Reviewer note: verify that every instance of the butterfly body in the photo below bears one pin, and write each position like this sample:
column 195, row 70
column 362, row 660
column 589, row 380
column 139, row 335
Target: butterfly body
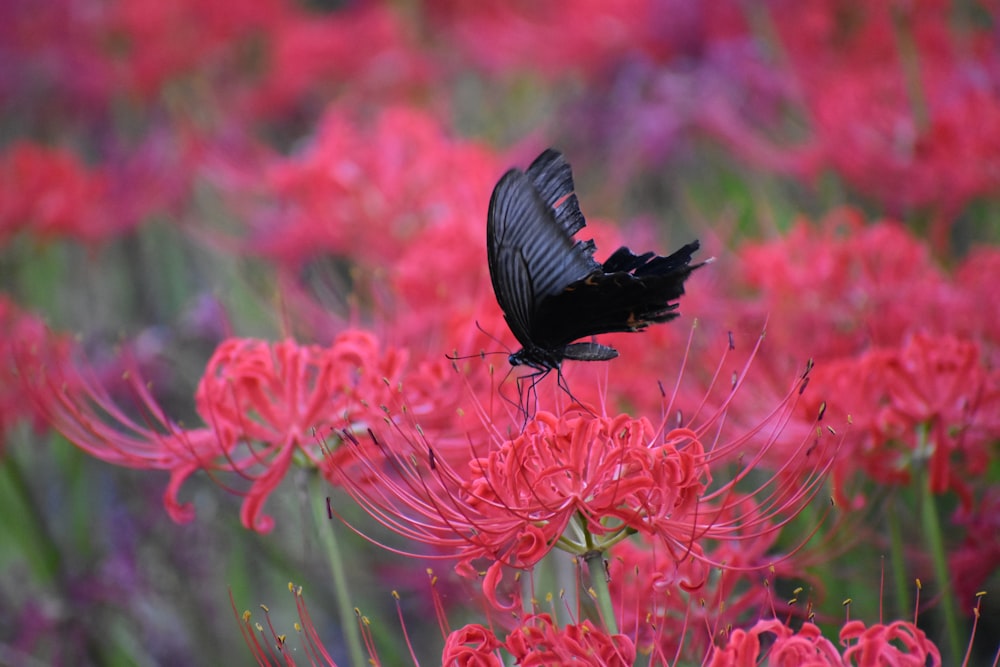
column 548, row 284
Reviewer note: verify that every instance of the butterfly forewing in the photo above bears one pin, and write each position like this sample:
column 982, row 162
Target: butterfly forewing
column 552, row 178
column 531, row 257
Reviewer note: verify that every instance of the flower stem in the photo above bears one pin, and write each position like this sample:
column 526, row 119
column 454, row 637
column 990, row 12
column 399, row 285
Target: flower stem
column 897, row 559
column 935, row 544
column 599, row 585
column 345, row 608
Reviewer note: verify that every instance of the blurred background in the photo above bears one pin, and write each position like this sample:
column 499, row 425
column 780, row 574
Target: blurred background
column 174, row 174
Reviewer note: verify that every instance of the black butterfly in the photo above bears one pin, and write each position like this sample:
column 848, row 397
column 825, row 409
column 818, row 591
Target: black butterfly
column 549, row 286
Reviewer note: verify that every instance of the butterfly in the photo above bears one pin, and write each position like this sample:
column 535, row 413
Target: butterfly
column 549, row 286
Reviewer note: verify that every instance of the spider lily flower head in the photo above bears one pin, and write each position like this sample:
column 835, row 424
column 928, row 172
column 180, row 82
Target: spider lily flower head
column 678, row 607
column 929, row 402
column 580, row 482
column 265, row 406
column 893, row 643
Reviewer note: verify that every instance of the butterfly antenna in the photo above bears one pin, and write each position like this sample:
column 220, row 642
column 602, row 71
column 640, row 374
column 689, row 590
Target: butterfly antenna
column 482, row 353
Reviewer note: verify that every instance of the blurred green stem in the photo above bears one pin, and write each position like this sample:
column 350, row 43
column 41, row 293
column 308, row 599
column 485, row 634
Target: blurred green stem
column 324, row 528
column 45, row 557
column 935, row 544
column 897, row 557
column 909, row 59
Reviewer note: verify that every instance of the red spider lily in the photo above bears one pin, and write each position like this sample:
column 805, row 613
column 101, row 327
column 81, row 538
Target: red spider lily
column 311, row 57
column 157, row 44
column 890, row 94
column 49, row 192
column 128, row 50
column 364, row 189
column 928, row 403
column 281, row 398
column 833, row 289
column 976, row 279
column 17, row 328
column 73, row 400
column 807, row 648
column 540, row 641
column 380, row 200
column 472, row 645
column 899, row 643
column 939, row 384
column 880, row 318
column 264, row 404
column 578, row 482
column 550, row 39
column 654, row 594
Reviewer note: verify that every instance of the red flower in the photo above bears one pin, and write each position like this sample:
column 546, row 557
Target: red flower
column 930, row 403
column 899, row 643
column 613, row 473
column 50, row 193
column 264, row 404
column 805, row 648
column 902, row 102
column 976, row 280
column 653, row 590
column 20, row 329
column 364, row 188
column 974, row 561
column 311, row 57
column 150, row 44
column 539, row 641
column 581, row 483
column 832, row 289
column 472, row 645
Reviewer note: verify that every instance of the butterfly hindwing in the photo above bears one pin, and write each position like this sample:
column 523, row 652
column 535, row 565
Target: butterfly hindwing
column 627, row 300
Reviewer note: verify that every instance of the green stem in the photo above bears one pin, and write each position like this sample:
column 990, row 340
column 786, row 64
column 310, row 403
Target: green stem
column 599, row 585
column 935, row 544
column 36, row 537
column 909, row 59
column 345, row 609
column 897, row 560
